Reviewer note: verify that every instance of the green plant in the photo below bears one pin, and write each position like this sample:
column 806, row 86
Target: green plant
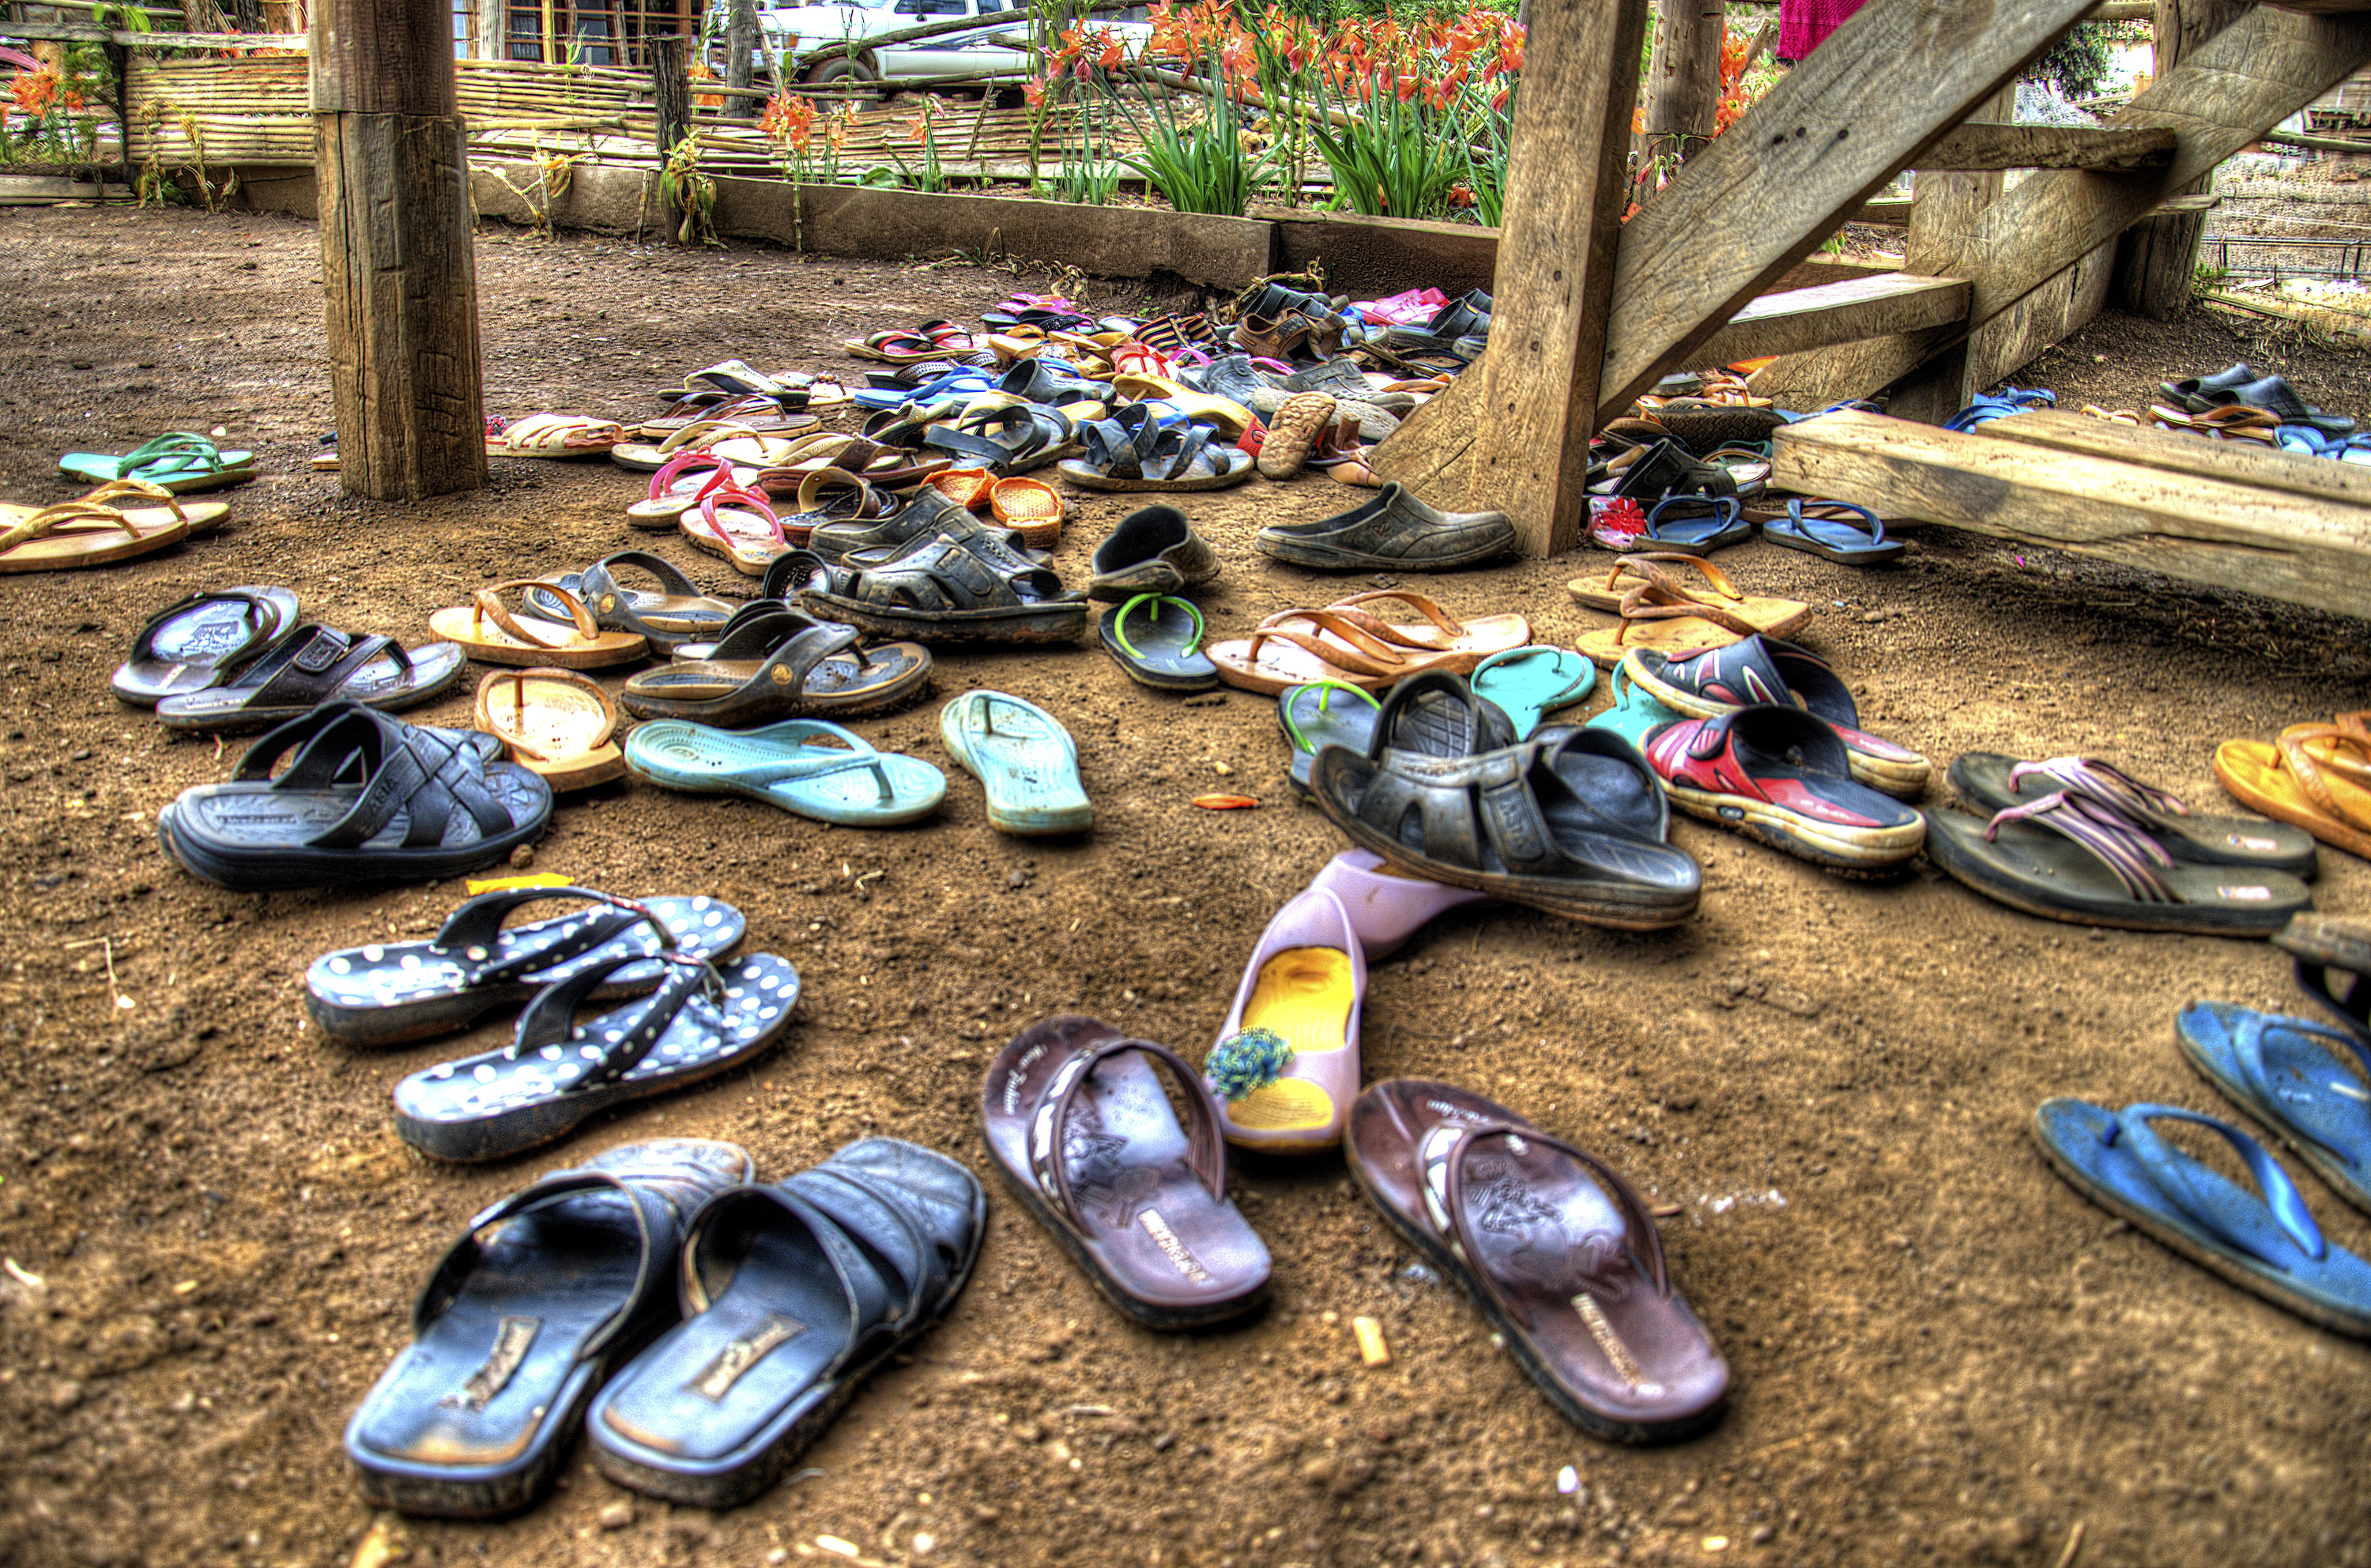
column 688, row 195
column 2077, row 64
column 923, row 129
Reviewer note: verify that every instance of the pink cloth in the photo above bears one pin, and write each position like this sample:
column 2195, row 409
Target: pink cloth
column 1804, row 24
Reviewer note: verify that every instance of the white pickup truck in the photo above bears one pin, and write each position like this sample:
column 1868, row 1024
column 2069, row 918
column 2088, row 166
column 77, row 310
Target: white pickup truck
column 797, row 29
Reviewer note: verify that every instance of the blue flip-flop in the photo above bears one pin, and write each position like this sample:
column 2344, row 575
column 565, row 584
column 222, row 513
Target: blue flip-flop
column 1157, row 645
column 962, row 381
column 2268, row 1244
column 2309, row 1083
column 1634, row 714
column 1697, row 524
column 1023, row 758
column 1530, row 682
column 1840, row 531
column 842, row 780
column 1322, row 714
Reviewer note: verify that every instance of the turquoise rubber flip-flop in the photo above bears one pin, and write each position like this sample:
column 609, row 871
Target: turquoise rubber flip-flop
column 842, row 780
column 1165, row 653
column 1322, row 714
column 2309, row 1083
column 180, row 462
column 1634, row 713
column 1530, row 682
column 2268, row 1244
column 1025, row 760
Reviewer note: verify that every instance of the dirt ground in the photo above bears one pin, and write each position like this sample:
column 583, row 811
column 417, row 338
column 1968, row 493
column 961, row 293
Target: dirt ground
column 1942, row 1354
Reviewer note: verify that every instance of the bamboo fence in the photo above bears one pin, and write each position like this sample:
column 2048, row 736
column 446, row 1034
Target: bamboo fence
column 256, row 110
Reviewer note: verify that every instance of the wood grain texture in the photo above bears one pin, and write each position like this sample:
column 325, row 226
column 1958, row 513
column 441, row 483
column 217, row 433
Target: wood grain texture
column 670, row 92
column 401, row 293
column 1949, row 204
column 1513, row 432
column 1683, row 77
column 1866, row 103
column 2282, row 545
column 382, row 57
column 2157, row 257
column 1841, row 312
column 2239, row 84
column 1989, row 144
column 2242, row 462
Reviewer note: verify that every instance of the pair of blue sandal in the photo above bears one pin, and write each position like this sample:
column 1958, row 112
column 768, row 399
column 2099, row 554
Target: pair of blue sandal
column 2307, row 1082
column 1999, row 406
column 1833, row 530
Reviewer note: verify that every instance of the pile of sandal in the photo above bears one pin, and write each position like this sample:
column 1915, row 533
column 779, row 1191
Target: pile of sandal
column 2235, row 404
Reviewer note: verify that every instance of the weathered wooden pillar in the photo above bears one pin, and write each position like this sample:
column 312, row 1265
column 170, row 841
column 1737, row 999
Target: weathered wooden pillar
column 493, row 24
column 1520, row 442
column 1683, row 81
column 670, row 90
column 2157, row 257
column 1946, row 206
column 396, row 266
column 740, row 66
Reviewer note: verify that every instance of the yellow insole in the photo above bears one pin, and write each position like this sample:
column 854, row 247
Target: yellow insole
column 1303, row 994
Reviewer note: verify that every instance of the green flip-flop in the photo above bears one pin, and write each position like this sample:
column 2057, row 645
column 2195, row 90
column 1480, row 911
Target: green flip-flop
column 1634, row 713
column 179, row 461
column 842, row 780
column 1165, row 653
column 1530, row 682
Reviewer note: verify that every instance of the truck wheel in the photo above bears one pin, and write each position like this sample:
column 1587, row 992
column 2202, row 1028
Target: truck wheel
column 843, row 70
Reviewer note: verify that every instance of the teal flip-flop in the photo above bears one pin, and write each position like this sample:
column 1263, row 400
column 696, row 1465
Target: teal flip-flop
column 1322, row 714
column 844, row 779
column 2268, row 1244
column 1634, row 713
column 1025, row 760
column 2309, row 1083
column 1530, row 682
column 1164, row 653
column 180, row 462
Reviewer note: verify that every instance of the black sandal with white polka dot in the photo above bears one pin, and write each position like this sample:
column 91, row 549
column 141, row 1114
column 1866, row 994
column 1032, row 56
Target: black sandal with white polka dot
column 388, row 993
column 557, row 1071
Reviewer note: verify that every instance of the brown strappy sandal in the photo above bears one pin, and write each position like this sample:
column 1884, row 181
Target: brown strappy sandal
column 555, row 724
column 1661, row 609
column 577, row 644
column 1558, row 1252
column 1082, row 1127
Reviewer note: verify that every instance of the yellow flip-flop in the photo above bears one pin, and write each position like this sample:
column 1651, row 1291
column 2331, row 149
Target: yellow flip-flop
column 2315, row 777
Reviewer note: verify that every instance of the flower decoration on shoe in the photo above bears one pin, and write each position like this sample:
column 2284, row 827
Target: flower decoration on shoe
column 1240, row 1065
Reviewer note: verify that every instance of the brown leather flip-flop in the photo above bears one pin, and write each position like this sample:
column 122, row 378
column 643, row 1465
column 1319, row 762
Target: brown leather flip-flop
column 1556, row 1249
column 1084, row 1130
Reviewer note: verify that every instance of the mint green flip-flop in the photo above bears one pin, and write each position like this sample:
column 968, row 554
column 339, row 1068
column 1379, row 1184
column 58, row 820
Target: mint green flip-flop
column 1023, row 758
column 844, row 779
column 180, row 462
column 1528, row 682
column 1634, row 713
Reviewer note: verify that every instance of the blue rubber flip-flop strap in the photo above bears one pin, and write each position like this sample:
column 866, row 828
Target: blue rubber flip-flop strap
column 1858, row 537
column 1694, row 528
column 2168, row 1170
column 2248, row 1050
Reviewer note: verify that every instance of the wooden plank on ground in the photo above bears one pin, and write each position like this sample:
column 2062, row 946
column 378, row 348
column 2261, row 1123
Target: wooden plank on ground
column 1513, row 432
column 1989, row 144
column 1841, row 312
column 1883, row 88
column 2275, row 543
column 2243, row 462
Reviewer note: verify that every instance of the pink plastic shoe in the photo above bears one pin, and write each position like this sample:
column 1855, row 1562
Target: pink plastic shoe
column 1286, row 1067
column 1385, row 910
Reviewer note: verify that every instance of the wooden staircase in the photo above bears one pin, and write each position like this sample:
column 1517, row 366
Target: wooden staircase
column 1592, row 311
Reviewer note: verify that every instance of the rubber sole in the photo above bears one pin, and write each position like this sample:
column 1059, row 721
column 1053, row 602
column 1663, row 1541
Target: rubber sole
column 231, row 723
column 1517, row 1343
column 738, row 710
column 2011, row 897
column 286, row 872
column 1293, row 552
column 1863, row 850
column 2205, row 1258
column 1903, row 781
column 495, row 1498
column 730, row 1489
column 1027, row 623
column 2333, row 1173
column 1150, row 1315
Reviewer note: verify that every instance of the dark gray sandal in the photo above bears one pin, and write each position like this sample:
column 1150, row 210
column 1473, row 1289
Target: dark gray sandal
column 1392, row 531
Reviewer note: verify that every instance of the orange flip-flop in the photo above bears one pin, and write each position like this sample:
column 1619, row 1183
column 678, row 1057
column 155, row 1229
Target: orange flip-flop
column 2315, row 777
column 1032, row 508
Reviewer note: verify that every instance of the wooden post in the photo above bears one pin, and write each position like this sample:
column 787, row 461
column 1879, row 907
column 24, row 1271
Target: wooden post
column 2157, row 257
column 1683, row 82
column 1521, row 441
column 401, row 290
column 493, row 23
column 1946, row 206
column 670, row 90
column 740, row 48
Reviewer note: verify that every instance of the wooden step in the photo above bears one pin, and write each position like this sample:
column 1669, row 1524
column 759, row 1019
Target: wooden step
column 2246, row 461
column 1893, row 212
column 1987, row 144
column 1843, row 312
column 2283, row 545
